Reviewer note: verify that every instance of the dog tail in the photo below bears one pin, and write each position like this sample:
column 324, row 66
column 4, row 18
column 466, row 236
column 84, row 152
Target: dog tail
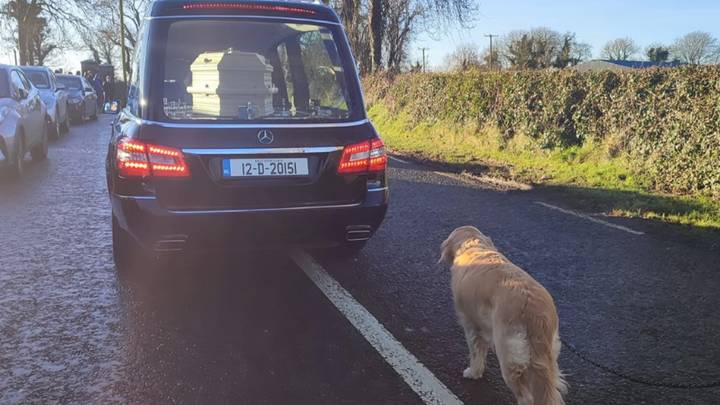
column 547, row 382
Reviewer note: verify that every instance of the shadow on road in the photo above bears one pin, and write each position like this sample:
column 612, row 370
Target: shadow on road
column 648, row 211
column 248, row 329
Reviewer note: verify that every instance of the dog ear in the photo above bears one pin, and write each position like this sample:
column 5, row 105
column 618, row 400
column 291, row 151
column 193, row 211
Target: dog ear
column 447, row 253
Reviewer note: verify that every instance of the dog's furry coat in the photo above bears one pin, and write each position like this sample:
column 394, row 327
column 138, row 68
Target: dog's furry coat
column 502, row 307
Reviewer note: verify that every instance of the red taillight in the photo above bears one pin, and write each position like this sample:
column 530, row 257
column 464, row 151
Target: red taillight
column 139, row 159
column 364, row 157
column 378, row 157
column 132, row 159
column 248, row 7
column 167, row 162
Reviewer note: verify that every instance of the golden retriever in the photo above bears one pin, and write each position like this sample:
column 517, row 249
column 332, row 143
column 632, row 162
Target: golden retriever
column 503, row 308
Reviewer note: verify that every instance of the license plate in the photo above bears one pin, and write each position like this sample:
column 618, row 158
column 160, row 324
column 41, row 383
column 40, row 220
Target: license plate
column 265, row 167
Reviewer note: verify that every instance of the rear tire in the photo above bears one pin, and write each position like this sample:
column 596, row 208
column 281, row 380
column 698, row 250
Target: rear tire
column 18, row 165
column 65, row 127
column 55, row 129
column 40, row 152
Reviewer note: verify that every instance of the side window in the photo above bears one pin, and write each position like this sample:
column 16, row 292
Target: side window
column 323, row 70
column 133, row 103
column 312, row 73
column 16, row 82
column 25, row 81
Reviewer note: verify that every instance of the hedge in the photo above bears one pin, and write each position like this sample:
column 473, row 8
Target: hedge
column 667, row 121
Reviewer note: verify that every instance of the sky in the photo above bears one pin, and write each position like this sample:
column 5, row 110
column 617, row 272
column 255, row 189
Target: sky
column 595, row 22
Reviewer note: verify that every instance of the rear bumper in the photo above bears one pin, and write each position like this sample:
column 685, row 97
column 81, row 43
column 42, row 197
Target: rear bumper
column 158, row 229
column 75, row 111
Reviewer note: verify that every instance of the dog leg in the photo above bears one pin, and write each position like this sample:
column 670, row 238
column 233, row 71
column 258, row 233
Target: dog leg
column 513, row 356
column 520, row 386
column 478, row 348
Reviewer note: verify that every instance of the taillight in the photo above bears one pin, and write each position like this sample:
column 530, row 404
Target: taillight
column 132, row 159
column 248, row 7
column 139, row 159
column 167, row 162
column 363, row 157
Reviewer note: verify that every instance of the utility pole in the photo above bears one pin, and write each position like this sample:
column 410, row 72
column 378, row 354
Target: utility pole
column 423, row 53
column 492, row 55
column 122, row 42
column 15, row 54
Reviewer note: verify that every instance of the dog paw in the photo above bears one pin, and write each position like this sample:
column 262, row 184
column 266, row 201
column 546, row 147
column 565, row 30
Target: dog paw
column 471, row 374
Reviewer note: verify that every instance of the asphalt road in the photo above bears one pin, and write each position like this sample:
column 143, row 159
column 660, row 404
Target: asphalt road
column 253, row 328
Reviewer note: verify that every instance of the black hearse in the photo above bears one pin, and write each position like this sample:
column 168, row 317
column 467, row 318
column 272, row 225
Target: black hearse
column 244, row 127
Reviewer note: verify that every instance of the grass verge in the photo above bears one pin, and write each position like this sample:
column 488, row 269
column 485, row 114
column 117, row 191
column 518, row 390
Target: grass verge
column 586, row 177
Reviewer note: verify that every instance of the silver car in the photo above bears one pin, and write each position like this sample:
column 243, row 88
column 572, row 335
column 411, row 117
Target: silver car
column 54, row 95
column 23, row 126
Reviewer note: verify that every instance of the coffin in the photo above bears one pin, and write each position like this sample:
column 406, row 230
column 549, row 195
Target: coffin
column 223, row 83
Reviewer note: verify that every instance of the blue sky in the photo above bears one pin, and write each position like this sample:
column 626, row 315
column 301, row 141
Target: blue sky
column 594, row 22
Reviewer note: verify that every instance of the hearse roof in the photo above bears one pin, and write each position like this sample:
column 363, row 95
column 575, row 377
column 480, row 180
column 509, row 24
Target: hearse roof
column 275, row 8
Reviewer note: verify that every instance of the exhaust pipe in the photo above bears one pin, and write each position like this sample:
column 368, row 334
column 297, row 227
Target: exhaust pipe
column 358, row 233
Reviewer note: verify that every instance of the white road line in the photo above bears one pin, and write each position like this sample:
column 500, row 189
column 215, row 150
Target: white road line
column 589, row 218
column 399, row 160
column 416, row 375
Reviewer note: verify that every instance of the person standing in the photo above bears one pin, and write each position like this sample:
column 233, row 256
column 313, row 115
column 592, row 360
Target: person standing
column 108, row 89
column 98, row 86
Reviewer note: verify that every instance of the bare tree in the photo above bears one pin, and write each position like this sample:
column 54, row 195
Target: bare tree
column 389, row 25
column 697, row 48
column 517, row 51
column 42, row 43
column 546, row 46
column 401, row 18
column 581, row 51
column 464, row 57
column 100, row 30
column 34, row 21
column 26, row 18
column 620, row 49
column 376, row 24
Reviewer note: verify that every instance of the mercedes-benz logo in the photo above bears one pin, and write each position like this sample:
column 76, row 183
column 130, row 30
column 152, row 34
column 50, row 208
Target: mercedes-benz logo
column 265, row 137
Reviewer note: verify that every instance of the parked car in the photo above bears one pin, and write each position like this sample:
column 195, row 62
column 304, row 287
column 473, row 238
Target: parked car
column 266, row 143
column 23, row 126
column 82, row 99
column 53, row 95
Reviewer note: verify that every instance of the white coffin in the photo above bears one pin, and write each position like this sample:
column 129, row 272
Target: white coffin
column 222, row 82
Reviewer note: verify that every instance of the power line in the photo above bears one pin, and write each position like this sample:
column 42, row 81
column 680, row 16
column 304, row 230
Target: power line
column 492, row 55
column 423, row 56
